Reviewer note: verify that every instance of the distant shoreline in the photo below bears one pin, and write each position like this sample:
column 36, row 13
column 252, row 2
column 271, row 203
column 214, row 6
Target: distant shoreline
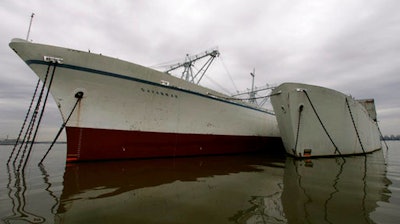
column 39, row 142
column 12, row 142
column 390, row 139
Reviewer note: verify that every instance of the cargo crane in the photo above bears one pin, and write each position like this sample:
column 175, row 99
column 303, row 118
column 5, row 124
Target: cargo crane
column 187, row 73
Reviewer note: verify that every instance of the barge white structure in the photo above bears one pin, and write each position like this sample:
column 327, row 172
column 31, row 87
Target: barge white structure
column 317, row 121
column 130, row 111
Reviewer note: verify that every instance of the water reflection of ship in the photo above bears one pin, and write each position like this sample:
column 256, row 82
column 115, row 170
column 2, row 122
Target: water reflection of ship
column 180, row 190
column 334, row 190
column 17, row 188
column 239, row 189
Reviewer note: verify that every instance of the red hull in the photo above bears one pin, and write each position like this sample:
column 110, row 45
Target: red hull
column 102, row 144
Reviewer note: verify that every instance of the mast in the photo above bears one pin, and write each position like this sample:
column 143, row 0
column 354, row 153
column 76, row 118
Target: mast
column 252, row 93
column 30, row 24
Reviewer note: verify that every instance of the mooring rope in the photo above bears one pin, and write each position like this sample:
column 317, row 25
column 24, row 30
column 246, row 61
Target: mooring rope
column 298, row 129
column 320, row 121
column 78, row 97
column 380, row 133
column 354, row 125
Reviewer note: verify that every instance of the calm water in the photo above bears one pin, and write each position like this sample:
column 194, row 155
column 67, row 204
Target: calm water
column 218, row 189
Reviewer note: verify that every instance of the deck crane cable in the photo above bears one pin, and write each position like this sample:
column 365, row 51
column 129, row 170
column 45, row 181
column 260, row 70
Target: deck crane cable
column 223, row 89
column 256, row 95
column 28, row 131
column 263, row 101
column 229, row 74
column 24, row 122
column 264, row 98
column 219, row 85
column 233, row 98
column 267, row 87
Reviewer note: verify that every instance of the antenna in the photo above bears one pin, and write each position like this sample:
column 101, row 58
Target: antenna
column 252, row 93
column 29, row 29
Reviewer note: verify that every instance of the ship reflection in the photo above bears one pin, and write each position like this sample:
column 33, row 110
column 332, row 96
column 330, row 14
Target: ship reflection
column 17, row 188
column 180, row 190
column 221, row 189
column 334, row 190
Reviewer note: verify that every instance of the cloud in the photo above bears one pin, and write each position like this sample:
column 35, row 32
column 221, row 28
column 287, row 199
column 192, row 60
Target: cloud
column 351, row 46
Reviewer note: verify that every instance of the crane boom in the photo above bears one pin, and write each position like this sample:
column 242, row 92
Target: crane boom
column 189, row 62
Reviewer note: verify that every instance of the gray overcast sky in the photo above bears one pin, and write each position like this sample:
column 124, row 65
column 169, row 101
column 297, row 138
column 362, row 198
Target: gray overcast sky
column 352, row 46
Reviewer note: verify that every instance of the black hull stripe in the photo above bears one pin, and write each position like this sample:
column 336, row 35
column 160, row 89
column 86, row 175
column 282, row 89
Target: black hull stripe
column 119, row 76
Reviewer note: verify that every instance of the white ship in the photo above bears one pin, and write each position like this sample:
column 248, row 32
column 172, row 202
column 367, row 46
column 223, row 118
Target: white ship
column 125, row 110
column 317, row 121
